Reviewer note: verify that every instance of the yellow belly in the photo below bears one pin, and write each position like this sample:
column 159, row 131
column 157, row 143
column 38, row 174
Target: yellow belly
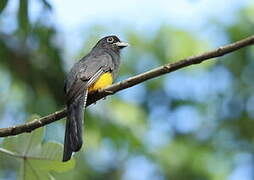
column 104, row 80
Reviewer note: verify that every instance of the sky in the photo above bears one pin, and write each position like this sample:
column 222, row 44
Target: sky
column 77, row 16
column 74, row 18
column 144, row 13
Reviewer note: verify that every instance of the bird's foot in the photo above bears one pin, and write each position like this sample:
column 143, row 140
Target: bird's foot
column 109, row 92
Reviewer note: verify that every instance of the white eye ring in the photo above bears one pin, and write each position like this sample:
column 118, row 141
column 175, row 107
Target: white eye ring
column 110, row 40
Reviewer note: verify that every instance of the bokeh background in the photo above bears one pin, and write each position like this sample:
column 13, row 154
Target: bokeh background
column 196, row 123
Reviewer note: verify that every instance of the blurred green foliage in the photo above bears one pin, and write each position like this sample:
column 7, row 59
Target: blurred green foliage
column 36, row 160
column 192, row 124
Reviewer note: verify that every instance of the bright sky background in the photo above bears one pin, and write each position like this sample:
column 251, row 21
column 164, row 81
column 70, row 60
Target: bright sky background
column 76, row 16
column 144, row 13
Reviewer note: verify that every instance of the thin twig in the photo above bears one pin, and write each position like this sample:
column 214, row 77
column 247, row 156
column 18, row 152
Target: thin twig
column 92, row 98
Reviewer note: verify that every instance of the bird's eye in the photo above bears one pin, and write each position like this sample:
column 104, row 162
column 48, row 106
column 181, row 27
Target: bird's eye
column 110, row 40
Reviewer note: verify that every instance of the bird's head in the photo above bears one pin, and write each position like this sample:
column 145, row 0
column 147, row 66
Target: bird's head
column 111, row 42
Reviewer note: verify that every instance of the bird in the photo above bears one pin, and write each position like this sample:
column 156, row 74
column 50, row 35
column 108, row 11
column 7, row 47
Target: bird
column 93, row 72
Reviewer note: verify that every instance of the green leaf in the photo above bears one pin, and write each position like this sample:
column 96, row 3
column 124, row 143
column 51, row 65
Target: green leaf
column 23, row 18
column 37, row 159
column 3, row 4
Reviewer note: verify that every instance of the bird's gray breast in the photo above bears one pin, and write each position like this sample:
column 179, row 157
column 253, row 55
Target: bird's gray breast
column 115, row 56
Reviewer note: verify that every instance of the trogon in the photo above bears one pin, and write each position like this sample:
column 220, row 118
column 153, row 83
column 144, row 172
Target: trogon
column 93, row 72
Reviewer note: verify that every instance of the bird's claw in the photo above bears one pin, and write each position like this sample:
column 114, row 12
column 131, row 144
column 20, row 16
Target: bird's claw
column 108, row 91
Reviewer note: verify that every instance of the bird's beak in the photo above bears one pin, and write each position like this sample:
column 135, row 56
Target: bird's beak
column 121, row 44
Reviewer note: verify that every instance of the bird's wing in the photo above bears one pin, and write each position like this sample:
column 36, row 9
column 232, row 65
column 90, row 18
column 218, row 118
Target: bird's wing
column 87, row 71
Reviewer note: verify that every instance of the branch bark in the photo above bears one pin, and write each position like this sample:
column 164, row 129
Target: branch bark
column 92, row 98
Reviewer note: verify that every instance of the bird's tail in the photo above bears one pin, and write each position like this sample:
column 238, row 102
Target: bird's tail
column 74, row 127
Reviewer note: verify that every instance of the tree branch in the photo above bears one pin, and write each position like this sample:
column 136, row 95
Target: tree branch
column 92, row 98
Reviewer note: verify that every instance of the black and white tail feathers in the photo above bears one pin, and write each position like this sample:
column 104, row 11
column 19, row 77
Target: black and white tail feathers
column 74, row 126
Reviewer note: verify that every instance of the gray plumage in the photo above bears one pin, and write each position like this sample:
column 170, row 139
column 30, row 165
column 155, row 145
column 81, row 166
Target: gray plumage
column 104, row 57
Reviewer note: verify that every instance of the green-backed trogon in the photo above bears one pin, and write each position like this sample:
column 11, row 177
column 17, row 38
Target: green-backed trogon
column 93, row 72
